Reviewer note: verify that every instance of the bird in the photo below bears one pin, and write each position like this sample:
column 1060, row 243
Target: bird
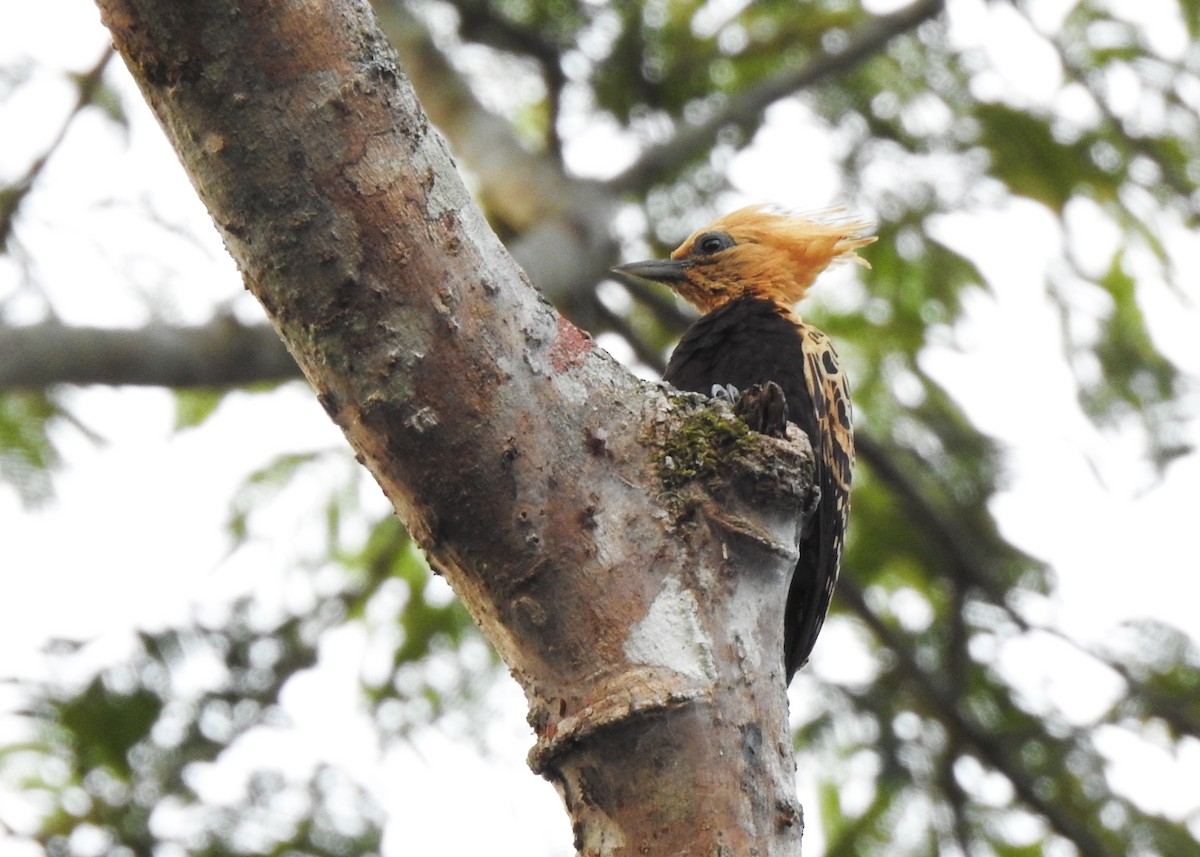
column 745, row 273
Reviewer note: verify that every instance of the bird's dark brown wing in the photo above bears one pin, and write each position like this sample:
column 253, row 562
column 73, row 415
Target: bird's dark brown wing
column 750, row 341
column 830, row 429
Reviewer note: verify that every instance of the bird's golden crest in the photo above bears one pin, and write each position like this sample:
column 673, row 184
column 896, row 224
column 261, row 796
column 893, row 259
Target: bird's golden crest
column 769, row 254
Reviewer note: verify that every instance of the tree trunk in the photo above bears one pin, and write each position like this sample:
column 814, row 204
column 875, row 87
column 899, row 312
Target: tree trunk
column 625, row 549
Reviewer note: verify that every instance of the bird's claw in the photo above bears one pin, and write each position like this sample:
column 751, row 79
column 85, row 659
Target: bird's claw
column 725, row 392
column 763, row 407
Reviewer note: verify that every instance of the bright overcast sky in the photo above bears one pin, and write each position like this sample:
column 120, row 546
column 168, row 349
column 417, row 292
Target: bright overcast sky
column 135, row 536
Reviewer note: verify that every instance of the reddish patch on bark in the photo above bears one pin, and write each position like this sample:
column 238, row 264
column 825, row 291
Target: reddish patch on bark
column 570, row 346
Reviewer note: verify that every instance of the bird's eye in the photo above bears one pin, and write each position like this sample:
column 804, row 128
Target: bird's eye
column 713, row 242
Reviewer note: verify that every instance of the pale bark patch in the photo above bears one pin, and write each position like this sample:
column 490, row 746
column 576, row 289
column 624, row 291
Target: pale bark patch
column 671, row 635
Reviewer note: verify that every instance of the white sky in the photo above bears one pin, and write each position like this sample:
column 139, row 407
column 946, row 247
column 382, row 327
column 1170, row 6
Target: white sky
column 135, row 533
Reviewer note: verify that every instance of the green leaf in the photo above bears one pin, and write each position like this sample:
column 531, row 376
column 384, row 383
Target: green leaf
column 1032, row 162
column 1135, row 377
column 28, row 457
column 193, row 406
column 1189, row 10
column 262, row 486
column 105, row 725
column 109, row 102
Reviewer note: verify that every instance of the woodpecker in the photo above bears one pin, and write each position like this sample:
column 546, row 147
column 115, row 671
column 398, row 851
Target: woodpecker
column 745, row 272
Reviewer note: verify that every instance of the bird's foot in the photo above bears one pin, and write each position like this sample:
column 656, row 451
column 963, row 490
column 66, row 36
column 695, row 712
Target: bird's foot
column 763, row 407
column 725, row 392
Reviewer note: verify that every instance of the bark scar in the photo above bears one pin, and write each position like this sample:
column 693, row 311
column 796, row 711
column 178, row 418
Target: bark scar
column 571, row 345
column 639, row 693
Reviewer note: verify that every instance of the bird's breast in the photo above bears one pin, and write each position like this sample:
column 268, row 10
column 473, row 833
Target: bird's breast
column 746, row 341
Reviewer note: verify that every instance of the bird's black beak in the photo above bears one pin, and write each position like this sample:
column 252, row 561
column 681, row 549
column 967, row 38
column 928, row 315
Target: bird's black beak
column 659, row 270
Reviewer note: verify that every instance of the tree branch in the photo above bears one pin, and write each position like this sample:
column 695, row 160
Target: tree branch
column 636, row 595
column 956, row 545
column 559, row 223
column 222, row 353
column 743, row 111
column 481, row 21
column 12, row 196
column 998, row 751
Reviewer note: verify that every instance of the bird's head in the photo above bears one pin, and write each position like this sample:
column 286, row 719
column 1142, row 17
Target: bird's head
column 754, row 252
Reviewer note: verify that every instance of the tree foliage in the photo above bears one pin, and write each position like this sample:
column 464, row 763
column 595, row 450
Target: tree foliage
column 940, row 749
